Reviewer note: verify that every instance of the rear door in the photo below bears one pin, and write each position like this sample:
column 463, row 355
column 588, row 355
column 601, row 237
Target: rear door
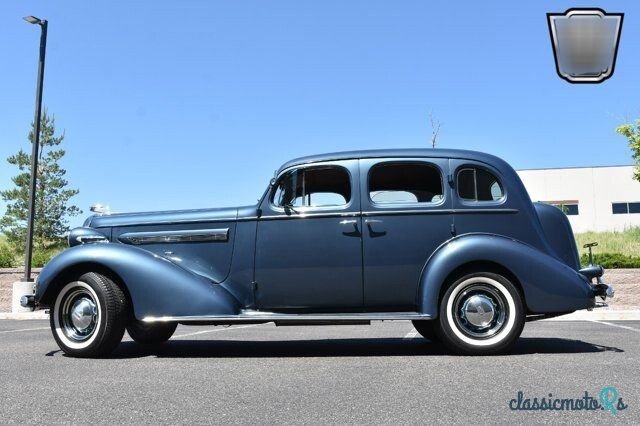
column 406, row 215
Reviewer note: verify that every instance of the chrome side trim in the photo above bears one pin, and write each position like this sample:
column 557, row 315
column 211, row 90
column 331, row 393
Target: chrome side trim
column 388, row 213
column 273, row 316
column 309, row 215
column 185, row 236
column 435, row 211
column 170, row 222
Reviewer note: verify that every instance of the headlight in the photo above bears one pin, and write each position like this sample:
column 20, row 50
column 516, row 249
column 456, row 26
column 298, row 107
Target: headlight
column 85, row 235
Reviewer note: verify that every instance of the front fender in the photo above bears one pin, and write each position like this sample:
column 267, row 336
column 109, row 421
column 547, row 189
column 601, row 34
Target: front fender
column 549, row 285
column 156, row 286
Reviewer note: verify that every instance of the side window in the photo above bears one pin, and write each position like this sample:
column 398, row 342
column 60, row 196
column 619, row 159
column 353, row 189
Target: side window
column 313, row 187
column 476, row 184
column 401, row 183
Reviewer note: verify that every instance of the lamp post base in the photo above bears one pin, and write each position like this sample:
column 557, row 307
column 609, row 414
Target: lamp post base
column 20, row 289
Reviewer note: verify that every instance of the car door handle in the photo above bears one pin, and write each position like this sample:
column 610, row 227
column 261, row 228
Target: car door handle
column 354, row 223
column 372, row 232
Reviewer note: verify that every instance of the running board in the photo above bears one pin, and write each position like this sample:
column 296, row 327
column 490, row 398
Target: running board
column 260, row 316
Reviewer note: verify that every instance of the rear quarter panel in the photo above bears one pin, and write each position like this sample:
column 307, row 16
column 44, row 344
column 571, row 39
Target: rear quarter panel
column 548, row 285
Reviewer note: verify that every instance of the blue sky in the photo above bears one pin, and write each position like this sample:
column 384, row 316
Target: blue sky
column 189, row 104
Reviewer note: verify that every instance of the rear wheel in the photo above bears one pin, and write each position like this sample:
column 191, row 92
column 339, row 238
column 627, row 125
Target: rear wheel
column 151, row 333
column 480, row 313
column 89, row 315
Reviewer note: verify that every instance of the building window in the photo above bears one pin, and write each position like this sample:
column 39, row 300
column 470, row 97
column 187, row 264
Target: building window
column 624, row 208
column 620, row 208
column 569, row 207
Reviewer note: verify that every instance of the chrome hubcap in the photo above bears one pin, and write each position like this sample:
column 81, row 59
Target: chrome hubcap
column 83, row 312
column 79, row 315
column 480, row 311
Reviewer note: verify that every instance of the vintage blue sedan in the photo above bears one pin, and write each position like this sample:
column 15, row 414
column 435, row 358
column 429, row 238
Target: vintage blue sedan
column 448, row 239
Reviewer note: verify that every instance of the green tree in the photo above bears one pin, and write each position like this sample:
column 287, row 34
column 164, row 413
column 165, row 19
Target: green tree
column 53, row 196
column 631, row 131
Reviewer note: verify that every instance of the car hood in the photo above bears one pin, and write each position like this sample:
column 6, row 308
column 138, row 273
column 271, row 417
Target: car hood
column 162, row 217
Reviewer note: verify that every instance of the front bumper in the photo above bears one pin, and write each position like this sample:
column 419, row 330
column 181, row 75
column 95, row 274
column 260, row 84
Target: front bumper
column 29, row 300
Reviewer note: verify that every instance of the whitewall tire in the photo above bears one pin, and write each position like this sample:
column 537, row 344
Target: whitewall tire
column 480, row 313
column 88, row 316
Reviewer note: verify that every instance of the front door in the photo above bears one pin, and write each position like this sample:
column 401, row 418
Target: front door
column 308, row 246
column 406, row 215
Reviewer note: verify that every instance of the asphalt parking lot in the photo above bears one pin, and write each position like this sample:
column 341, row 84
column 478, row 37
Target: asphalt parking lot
column 383, row 373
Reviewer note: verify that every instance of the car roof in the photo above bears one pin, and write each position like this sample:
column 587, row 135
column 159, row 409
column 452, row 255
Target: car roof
column 397, row 153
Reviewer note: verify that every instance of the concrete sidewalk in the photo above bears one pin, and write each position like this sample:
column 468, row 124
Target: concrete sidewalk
column 37, row 315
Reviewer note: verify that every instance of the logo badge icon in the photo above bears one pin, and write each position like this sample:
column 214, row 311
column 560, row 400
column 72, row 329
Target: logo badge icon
column 585, row 44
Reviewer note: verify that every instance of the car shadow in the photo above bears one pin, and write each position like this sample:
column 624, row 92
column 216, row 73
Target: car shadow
column 367, row 347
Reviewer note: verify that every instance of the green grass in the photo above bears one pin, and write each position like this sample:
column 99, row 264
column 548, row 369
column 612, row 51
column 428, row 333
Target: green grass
column 614, row 250
column 625, row 242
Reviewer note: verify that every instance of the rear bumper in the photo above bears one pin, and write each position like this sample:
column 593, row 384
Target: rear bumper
column 603, row 290
column 592, row 271
column 600, row 289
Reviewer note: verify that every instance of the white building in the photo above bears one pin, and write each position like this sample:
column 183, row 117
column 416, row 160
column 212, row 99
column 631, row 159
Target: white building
column 594, row 198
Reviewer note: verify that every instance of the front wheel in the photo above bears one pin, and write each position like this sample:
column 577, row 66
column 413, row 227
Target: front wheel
column 480, row 313
column 89, row 316
column 151, row 334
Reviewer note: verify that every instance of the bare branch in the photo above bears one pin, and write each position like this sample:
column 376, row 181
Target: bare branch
column 435, row 129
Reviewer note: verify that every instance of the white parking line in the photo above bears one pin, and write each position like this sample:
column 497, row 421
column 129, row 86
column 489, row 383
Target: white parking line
column 616, row 325
column 24, row 329
column 214, row 330
column 412, row 334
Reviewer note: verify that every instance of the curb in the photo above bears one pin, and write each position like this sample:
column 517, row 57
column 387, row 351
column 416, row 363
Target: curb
column 600, row 315
column 596, row 315
column 37, row 315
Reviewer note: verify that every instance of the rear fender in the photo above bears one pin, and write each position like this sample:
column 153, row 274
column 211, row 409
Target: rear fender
column 156, row 286
column 548, row 285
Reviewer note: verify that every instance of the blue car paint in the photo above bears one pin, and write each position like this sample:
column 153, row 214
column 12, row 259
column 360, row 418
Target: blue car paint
column 528, row 240
column 308, row 261
column 157, row 286
column 549, row 285
column 396, row 245
column 556, row 227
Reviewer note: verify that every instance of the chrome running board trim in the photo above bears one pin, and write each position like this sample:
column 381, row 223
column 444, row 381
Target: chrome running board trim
column 245, row 316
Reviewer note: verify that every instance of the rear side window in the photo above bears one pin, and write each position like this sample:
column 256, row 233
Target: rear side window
column 314, row 187
column 402, row 183
column 476, row 184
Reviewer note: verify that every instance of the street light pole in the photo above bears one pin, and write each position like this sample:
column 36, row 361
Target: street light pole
column 36, row 145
